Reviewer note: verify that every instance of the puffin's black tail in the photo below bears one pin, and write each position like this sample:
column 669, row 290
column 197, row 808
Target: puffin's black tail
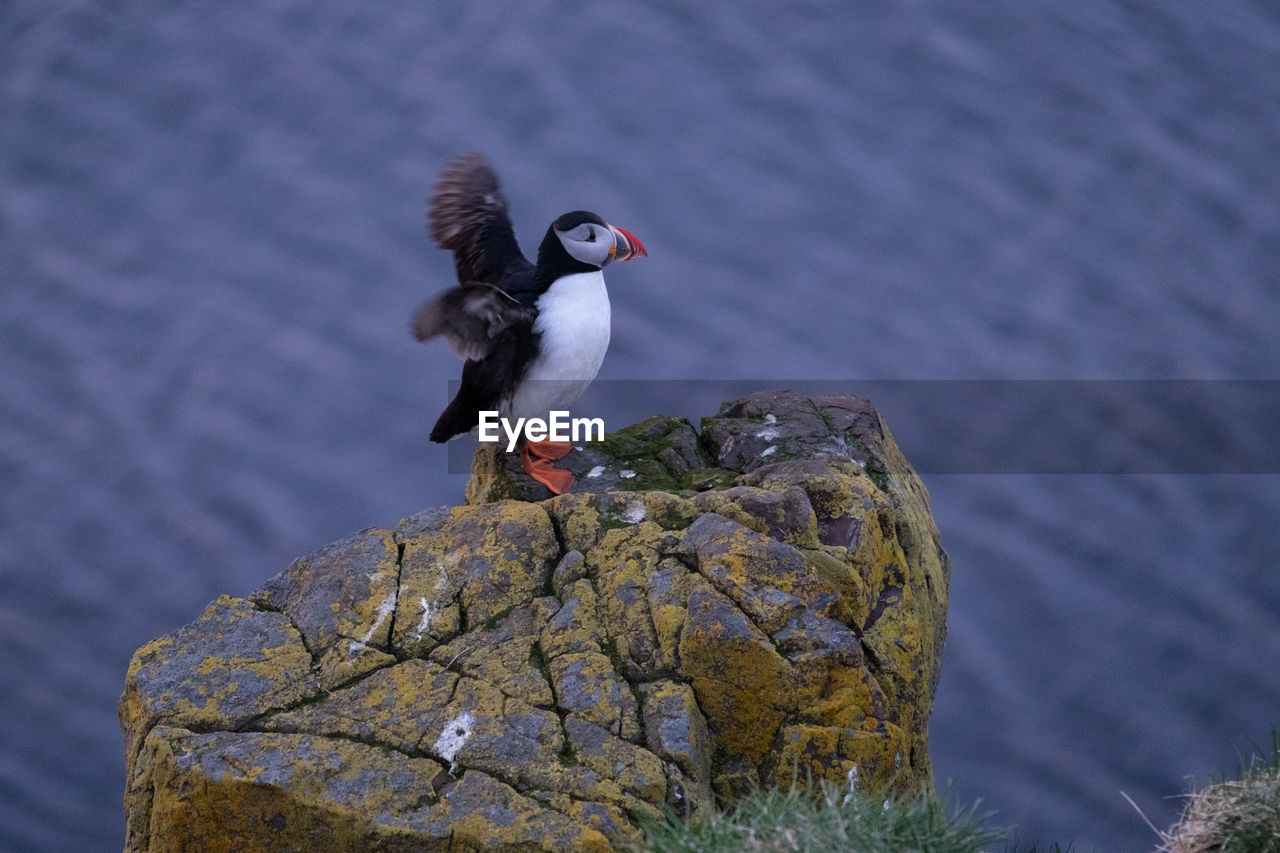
column 487, row 381
column 458, row 417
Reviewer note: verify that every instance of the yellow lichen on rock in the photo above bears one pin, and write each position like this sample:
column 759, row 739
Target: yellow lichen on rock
column 743, row 686
column 485, row 559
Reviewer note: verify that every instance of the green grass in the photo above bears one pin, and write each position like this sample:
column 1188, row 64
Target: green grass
column 1239, row 815
column 1233, row 815
column 822, row 819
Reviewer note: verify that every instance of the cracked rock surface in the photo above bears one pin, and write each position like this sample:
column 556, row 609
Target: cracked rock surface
column 710, row 610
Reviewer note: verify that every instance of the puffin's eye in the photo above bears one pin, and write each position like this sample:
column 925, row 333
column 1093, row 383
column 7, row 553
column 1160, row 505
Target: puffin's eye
column 591, row 235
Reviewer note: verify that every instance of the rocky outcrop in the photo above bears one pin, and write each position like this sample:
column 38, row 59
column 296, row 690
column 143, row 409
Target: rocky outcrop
column 704, row 611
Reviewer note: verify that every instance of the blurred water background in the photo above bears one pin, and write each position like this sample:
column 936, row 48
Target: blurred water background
column 211, row 240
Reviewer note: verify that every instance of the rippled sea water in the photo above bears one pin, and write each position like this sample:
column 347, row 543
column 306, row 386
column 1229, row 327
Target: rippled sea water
column 211, row 238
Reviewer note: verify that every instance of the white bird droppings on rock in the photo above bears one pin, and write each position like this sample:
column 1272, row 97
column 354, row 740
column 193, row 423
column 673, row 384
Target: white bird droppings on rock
column 425, row 622
column 768, row 434
column 769, row 451
column 456, row 733
column 634, row 514
column 626, row 474
column 852, row 776
column 385, row 609
column 595, row 472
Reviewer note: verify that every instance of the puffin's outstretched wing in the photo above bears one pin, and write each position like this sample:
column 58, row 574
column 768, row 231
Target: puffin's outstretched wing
column 471, row 318
column 467, row 215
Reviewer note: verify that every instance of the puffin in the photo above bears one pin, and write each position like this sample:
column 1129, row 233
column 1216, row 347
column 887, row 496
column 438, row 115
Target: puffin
column 532, row 335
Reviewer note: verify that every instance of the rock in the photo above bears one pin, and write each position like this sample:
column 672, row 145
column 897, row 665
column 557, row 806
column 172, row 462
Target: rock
column 704, row 611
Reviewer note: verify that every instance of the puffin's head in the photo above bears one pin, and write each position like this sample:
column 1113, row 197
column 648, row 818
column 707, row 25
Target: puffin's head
column 592, row 241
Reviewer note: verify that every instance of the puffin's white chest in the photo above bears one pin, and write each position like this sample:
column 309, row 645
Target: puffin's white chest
column 573, row 322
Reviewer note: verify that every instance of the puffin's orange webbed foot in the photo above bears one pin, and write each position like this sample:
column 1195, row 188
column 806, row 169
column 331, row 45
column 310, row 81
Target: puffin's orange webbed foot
column 541, row 469
column 549, row 449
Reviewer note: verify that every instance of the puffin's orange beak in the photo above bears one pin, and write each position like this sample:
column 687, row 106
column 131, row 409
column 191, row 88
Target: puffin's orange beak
column 626, row 245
